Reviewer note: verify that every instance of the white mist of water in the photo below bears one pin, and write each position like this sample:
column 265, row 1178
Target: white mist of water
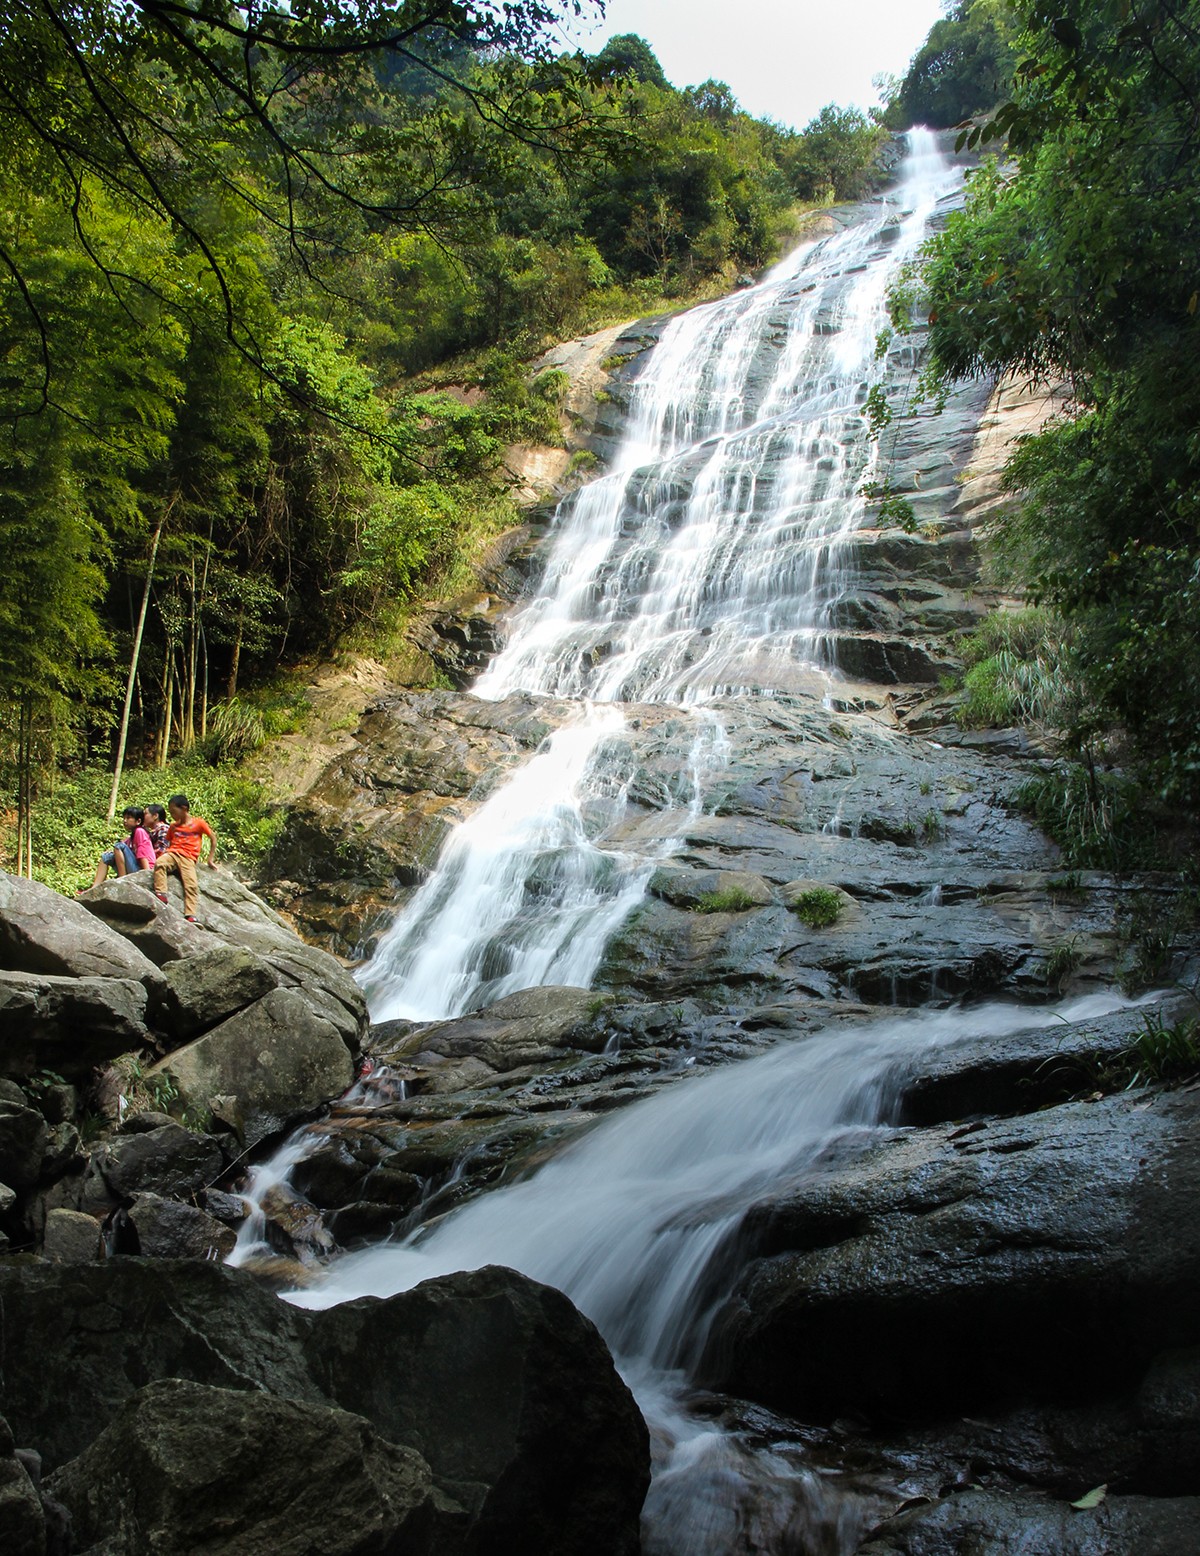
column 631, row 1220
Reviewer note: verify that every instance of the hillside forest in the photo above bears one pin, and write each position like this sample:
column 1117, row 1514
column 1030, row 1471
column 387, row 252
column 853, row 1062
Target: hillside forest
column 270, row 282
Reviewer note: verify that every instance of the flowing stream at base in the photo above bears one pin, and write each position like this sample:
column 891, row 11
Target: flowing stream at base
column 635, row 1223
column 707, row 564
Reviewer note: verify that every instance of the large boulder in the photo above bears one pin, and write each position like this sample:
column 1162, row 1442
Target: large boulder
column 1046, row 1257
column 23, row 1521
column 79, row 1340
column 68, row 1025
column 23, row 1138
column 532, row 1027
column 168, row 1159
column 44, row 932
column 129, row 907
column 512, row 1398
column 276, row 1059
column 232, row 916
column 207, row 988
column 168, row 1229
column 504, row 1389
column 194, row 1468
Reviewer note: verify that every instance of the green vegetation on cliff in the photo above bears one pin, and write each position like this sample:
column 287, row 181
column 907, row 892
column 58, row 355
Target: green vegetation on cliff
column 1075, row 261
column 231, row 244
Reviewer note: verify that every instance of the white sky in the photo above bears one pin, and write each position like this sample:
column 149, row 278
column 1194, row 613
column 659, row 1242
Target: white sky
column 784, row 59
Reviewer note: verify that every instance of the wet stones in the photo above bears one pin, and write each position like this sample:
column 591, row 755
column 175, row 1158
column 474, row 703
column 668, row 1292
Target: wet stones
column 532, row 1027
column 1027, row 1248
column 164, row 1228
column 991, row 1523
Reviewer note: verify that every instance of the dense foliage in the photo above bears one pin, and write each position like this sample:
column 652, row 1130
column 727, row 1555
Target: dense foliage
column 1077, row 262
column 231, row 239
column 965, row 66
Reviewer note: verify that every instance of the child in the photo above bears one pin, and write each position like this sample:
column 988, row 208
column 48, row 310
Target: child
column 156, row 827
column 185, row 838
column 132, row 852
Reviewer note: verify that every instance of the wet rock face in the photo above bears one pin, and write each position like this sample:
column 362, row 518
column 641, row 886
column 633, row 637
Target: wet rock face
column 377, row 817
column 481, row 1412
column 992, row 1524
column 952, row 1266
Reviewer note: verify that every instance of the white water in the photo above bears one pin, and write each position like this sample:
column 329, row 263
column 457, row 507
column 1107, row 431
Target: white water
column 706, row 564
column 631, row 1221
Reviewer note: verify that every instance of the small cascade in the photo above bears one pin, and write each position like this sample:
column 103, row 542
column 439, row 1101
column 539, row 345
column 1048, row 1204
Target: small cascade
column 635, row 1221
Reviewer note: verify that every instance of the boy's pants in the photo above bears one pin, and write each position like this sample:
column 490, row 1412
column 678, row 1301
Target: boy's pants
column 185, row 868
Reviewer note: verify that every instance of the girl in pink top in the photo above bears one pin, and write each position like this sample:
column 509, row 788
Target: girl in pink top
column 135, row 851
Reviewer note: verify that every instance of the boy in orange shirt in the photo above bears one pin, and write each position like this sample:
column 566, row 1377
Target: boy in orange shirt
column 185, row 838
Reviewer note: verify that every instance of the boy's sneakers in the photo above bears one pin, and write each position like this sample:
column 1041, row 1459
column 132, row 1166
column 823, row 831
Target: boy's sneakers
column 191, row 917
column 161, row 895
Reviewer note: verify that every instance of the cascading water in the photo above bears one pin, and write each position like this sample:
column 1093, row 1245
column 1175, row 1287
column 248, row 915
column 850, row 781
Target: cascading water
column 631, row 1221
column 706, row 564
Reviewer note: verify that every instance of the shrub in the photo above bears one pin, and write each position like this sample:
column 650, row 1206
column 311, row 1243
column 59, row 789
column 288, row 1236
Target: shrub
column 818, row 907
column 1017, row 671
column 1097, row 819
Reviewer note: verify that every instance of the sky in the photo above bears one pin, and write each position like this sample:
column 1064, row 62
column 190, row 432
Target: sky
column 784, row 59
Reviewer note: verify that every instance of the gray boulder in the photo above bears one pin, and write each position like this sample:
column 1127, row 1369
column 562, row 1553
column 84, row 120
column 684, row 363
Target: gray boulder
column 168, row 1229
column 497, row 1382
column 129, row 907
column 22, row 1518
column 69, row 1025
column 207, row 988
column 947, row 1269
column 231, row 916
column 71, row 1237
column 531, row 1027
column 695, row 888
column 512, row 1398
column 277, row 1059
column 92, row 1335
column 195, row 1468
column 167, row 1160
column 44, row 932
column 232, row 912
column 23, row 1139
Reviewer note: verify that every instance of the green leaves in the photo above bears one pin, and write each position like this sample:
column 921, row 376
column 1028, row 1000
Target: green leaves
column 1078, row 264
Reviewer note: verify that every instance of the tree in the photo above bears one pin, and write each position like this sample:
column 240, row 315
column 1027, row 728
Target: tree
column 964, row 66
column 1079, row 264
column 179, row 108
column 628, row 55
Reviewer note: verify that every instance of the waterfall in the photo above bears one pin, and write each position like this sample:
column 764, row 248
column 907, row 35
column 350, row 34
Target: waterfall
column 706, row 564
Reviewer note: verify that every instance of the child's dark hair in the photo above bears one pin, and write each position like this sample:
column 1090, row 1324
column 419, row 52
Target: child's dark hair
column 157, row 810
column 136, row 811
column 180, row 799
